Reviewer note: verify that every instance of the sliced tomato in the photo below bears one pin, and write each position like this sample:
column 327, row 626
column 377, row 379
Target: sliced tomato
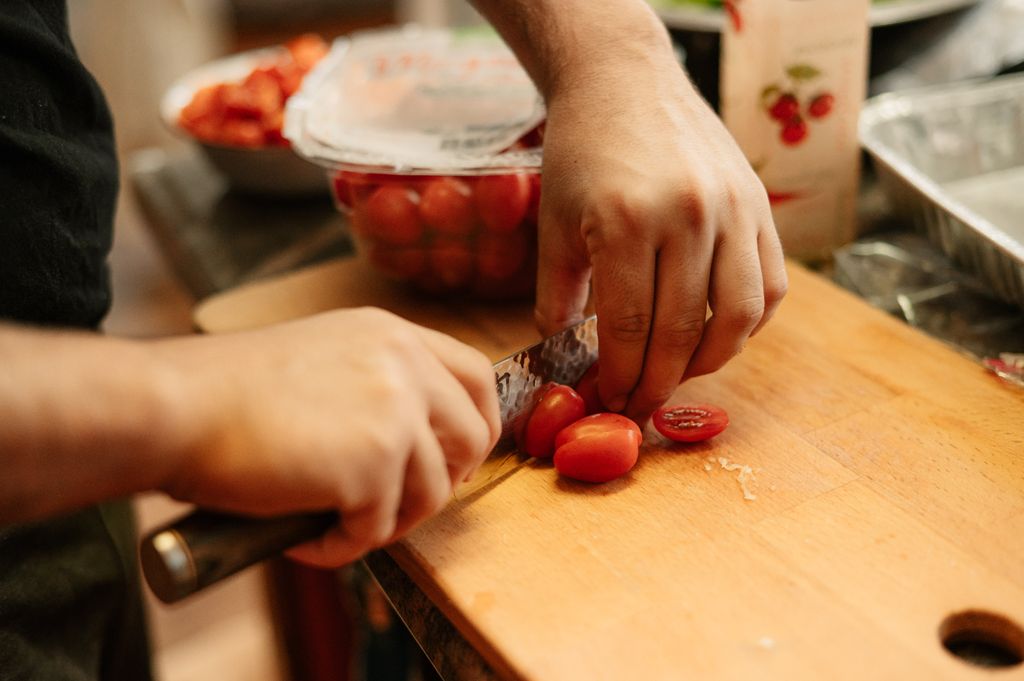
column 598, row 448
column 446, row 206
column 690, row 422
column 502, row 200
column 559, row 407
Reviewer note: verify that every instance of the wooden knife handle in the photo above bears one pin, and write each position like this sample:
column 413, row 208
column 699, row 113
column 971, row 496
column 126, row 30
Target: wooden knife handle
column 204, row 547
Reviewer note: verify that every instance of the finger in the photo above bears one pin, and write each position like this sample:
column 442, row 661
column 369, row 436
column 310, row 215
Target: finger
column 358, row 532
column 773, row 271
column 680, row 308
column 474, row 373
column 428, row 483
column 623, row 280
column 736, row 295
column 563, row 277
column 364, row 523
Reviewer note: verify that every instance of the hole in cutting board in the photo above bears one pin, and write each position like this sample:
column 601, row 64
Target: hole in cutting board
column 983, row 639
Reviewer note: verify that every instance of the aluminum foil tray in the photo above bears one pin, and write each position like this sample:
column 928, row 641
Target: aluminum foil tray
column 951, row 159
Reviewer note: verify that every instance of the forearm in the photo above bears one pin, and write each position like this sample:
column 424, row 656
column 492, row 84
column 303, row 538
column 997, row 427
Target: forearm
column 561, row 41
column 83, row 419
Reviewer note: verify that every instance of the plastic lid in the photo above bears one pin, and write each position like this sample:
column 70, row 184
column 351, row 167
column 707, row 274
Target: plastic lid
column 416, row 100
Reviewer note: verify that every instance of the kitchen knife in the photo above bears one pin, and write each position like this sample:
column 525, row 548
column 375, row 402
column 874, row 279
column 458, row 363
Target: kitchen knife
column 204, row 547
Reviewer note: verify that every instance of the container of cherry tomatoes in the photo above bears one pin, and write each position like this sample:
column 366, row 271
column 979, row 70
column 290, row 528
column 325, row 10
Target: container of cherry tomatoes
column 474, row 234
column 432, row 142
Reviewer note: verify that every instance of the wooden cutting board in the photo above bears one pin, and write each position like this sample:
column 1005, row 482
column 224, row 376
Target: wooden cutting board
column 889, row 495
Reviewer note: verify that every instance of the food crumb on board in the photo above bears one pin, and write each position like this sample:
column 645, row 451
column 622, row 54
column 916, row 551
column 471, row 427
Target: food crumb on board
column 746, row 475
column 707, row 465
column 766, row 642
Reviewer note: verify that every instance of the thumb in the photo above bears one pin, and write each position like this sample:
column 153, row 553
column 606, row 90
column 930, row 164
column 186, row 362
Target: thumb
column 563, row 276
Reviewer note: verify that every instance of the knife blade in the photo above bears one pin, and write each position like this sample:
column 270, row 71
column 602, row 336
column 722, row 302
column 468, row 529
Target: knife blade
column 203, row 547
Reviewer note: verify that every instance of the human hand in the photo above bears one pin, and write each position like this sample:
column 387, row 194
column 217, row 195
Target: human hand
column 356, row 410
column 647, row 197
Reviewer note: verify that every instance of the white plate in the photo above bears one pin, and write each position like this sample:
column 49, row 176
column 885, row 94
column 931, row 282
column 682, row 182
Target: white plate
column 883, row 13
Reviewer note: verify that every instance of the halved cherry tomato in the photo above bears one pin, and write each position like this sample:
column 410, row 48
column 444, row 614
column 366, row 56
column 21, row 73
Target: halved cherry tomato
column 587, row 388
column 690, row 422
column 392, row 216
column 446, row 205
column 598, row 448
column 502, row 200
column 559, row 407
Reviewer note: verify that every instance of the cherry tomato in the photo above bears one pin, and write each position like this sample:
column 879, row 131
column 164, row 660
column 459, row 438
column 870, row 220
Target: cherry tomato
column 533, row 207
column 501, row 255
column 400, row 263
column 690, row 423
column 598, row 448
column 502, row 200
column 392, row 216
column 446, row 205
column 559, row 407
column 587, row 388
column 597, row 424
column 451, row 263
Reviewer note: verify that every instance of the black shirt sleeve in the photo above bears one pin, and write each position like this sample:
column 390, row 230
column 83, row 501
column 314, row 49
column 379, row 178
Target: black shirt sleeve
column 58, row 173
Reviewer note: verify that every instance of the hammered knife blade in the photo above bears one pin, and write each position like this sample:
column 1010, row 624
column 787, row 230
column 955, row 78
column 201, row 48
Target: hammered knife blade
column 204, row 547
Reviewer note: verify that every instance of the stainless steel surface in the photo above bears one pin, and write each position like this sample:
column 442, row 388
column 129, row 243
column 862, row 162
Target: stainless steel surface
column 700, row 17
column 951, row 158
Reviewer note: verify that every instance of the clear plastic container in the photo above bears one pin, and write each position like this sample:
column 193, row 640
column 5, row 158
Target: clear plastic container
column 432, row 142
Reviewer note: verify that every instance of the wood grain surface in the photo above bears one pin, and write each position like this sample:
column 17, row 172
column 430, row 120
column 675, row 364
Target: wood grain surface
column 889, row 494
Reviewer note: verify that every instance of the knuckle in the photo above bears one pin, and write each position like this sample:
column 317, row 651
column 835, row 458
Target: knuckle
column 681, row 334
column 776, row 291
column 744, row 313
column 692, row 205
column 630, row 327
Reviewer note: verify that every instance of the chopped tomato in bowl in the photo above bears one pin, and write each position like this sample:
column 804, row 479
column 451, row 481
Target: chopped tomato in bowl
column 233, row 108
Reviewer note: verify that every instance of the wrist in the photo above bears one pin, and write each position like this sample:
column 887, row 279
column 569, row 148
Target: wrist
column 610, row 51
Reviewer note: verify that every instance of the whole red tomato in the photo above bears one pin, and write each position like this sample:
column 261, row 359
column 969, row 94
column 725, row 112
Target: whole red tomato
column 502, row 200
column 451, row 262
column 587, row 388
column 392, row 216
column 400, row 263
column 446, row 205
column 557, row 408
column 501, row 255
column 690, row 422
column 598, row 448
